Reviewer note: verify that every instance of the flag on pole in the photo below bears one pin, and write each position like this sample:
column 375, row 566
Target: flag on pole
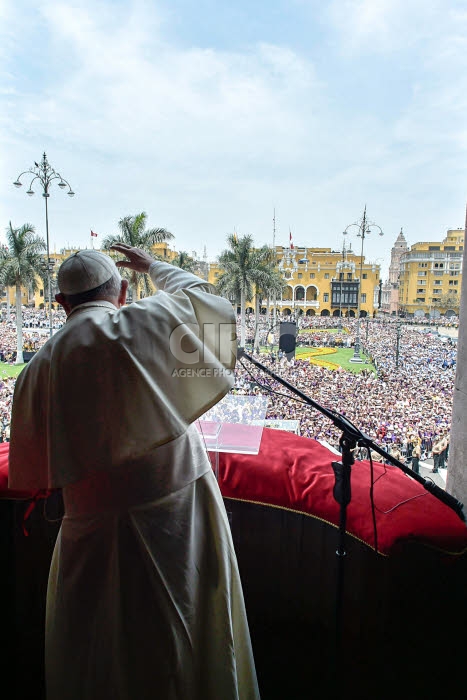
column 93, row 235
column 290, row 240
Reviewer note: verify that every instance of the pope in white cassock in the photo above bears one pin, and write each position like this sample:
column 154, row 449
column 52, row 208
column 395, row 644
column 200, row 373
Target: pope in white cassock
column 144, row 598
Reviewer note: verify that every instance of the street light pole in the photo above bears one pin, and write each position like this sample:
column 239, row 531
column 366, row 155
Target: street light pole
column 364, row 227
column 339, row 322
column 398, row 338
column 45, row 174
column 49, row 283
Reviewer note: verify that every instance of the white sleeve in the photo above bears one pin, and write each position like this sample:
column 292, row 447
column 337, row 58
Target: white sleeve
column 171, row 279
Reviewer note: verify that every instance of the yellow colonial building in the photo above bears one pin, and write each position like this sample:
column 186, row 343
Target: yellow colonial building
column 430, row 277
column 323, row 282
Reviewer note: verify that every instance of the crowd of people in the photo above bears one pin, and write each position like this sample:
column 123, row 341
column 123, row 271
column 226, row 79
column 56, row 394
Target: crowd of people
column 405, row 401
column 36, row 330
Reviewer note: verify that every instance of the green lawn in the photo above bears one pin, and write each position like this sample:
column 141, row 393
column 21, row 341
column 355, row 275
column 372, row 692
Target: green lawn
column 340, row 357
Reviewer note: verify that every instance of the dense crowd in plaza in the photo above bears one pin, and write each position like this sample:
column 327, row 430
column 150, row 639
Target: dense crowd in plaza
column 36, row 330
column 408, row 399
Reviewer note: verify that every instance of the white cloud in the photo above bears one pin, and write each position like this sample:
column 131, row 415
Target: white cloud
column 375, row 26
column 206, row 139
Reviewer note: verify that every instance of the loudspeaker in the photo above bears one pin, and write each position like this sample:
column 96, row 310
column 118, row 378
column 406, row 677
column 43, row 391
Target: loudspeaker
column 287, row 338
column 28, row 355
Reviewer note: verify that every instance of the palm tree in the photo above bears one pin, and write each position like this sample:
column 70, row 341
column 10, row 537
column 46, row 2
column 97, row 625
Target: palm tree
column 133, row 232
column 184, row 262
column 245, row 270
column 21, row 261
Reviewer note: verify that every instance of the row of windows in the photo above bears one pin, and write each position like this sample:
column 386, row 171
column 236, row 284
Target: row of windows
column 435, row 291
column 438, row 283
column 348, row 299
column 422, row 300
column 288, row 275
column 437, row 273
column 425, row 255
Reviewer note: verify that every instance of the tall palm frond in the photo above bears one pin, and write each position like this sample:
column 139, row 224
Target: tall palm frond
column 21, row 262
column 245, row 271
column 133, row 232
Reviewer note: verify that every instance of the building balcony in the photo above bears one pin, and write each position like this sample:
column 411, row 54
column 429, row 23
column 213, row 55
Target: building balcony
column 299, row 304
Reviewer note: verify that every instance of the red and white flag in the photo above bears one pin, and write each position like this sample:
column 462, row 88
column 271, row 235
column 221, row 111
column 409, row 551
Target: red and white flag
column 93, row 235
column 290, row 240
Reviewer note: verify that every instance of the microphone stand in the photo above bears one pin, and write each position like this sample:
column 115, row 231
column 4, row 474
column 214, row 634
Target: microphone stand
column 351, row 436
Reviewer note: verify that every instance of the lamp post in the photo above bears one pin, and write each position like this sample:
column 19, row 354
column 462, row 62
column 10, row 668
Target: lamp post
column 364, row 228
column 45, row 174
column 398, row 340
column 340, row 268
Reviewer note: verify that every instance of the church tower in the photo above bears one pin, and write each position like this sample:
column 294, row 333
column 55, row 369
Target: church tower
column 399, row 248
column 390, row 293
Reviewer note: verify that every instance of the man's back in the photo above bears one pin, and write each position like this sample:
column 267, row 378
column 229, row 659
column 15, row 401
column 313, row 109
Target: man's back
column 107, row 387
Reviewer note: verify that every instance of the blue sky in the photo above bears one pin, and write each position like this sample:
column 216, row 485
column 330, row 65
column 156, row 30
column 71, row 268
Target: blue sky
column 211, row 116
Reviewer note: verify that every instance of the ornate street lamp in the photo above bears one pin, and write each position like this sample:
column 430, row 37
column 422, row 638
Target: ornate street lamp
column 45, row 174
column 364, row 228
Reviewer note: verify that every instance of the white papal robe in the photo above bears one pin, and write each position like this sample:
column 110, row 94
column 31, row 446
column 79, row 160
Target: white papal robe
column 144, row 598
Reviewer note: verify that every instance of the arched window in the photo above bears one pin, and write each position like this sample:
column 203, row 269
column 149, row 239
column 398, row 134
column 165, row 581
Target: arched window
column 299, row 293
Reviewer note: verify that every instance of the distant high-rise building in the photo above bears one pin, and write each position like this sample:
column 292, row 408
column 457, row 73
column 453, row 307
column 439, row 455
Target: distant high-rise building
column 399, row 248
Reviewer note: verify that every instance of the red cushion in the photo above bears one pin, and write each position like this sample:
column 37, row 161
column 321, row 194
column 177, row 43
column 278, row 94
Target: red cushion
column 296, row 473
